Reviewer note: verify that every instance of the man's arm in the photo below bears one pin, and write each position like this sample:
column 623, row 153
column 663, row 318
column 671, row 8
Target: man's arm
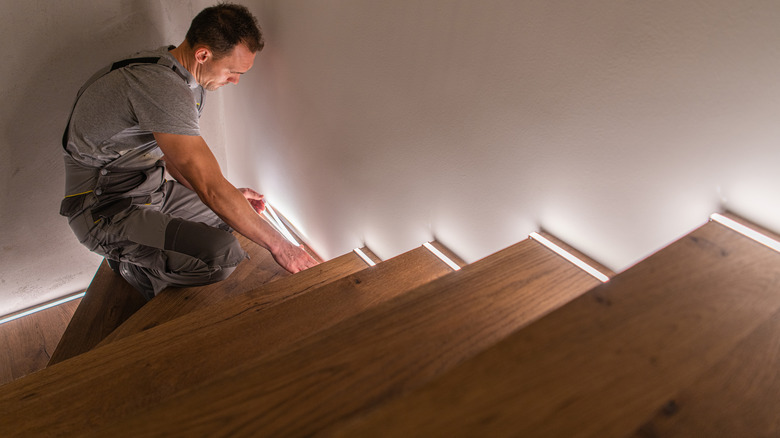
column 256, row 200
column 171, row 168
column 191, row 160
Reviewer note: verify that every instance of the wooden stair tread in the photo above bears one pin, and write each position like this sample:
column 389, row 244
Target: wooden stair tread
column 735, row 398
column 109, row 301
column 112, row 309
column 373, row 356
column 606, row 363
column 171, row 303
column 133, row 373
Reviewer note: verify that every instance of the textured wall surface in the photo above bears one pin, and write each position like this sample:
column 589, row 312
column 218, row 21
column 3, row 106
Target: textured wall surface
column 618, row 126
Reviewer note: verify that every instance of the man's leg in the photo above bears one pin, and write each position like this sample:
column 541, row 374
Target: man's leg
column 193, row 254
column 182, row 243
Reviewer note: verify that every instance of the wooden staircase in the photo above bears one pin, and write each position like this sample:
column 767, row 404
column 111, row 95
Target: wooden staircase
column 520, row 343
column 111, row 307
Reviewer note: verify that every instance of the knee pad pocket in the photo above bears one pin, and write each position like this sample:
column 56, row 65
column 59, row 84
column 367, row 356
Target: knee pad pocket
column 211, row 245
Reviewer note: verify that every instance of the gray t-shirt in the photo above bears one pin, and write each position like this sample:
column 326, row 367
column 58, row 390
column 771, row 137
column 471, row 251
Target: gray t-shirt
column 113, row 121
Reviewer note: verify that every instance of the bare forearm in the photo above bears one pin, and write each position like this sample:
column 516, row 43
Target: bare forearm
column 239, row 214
column 233, row 208
column 191, row 162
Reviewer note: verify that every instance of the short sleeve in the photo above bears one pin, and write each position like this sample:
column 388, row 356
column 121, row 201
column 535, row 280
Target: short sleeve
column 161, row 100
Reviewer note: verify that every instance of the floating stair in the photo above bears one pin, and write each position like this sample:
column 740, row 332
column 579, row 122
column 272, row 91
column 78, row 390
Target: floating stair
column 382, row 352
column 683, row 344
column 520, row 343
column 260, row 270
column 111, row 303
column 171, row 303
column 130, row 374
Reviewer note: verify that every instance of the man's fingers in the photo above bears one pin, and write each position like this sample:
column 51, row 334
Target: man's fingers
column 258, row 205
column 304, row 260
column 296, row 259
column 250, row 194
column 256, row 200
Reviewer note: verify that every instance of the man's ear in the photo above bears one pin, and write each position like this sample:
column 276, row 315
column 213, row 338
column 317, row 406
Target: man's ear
column 202, row 54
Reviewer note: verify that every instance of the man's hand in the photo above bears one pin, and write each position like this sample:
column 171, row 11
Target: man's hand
column 194, row 163
column 256, row 200
column 293, row 258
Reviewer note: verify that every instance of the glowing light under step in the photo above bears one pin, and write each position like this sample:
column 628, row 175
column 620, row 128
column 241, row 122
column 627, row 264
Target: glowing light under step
column 270, row 214
column 745, row 231
column 43, row 307
column 441, row 256
column 570, row 257
column 363, row 256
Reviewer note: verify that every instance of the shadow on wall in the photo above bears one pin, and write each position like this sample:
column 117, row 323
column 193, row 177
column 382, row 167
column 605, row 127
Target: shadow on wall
column 58, row 46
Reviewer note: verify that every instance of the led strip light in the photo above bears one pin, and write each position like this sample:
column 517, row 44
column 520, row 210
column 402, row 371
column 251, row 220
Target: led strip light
column 441, row 256
column 745, row 231
column 363, row 256
column 570, row 257
column 43, row 307
column 270, row 214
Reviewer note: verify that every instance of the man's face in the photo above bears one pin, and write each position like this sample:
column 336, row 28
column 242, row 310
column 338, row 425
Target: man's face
column 227, row 69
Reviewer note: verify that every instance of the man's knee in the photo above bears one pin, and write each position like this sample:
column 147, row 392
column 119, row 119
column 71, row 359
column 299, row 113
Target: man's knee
column 215, row 247
column 222, row 274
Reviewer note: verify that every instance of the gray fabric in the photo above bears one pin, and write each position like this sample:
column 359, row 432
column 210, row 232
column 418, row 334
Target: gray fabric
column 117, row 201
column 176, row 241
column 114, row 118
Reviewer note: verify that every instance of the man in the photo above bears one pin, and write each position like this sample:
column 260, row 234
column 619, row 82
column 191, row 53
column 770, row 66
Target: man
column 139, row 117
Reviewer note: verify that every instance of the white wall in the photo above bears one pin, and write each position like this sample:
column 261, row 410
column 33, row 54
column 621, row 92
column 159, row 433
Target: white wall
column 616, row 125
column 49, row 49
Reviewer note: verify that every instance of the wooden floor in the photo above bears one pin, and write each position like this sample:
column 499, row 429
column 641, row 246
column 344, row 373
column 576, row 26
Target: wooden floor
column 27, row 343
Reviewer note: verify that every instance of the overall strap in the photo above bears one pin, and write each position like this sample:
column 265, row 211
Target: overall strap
column 162, row 60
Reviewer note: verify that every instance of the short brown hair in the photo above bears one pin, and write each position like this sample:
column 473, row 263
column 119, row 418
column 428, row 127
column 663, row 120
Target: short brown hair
column 222, row 27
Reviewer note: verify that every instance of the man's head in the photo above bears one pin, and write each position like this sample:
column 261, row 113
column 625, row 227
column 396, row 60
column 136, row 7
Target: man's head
column 222, row 27
column 223, row 41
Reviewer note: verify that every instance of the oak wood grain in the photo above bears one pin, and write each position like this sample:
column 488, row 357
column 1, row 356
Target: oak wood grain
column 738, row 397
column 372, row 357
column 602, row 365
column 136, row 372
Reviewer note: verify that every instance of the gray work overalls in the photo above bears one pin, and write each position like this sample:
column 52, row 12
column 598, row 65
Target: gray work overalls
column 159, row 231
